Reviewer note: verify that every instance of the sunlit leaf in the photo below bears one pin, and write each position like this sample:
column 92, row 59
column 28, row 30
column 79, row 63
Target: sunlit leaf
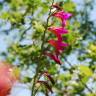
column 85, row 70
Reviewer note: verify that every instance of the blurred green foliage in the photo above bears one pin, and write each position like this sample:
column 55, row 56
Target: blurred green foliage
column 33, row 13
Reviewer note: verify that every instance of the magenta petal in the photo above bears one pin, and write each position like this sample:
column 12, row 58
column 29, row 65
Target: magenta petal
column 58, row 31
column 67, row 15
column 54, row 57
column 63, row 23
column 62, row 44
column 62, row 15
column 59, row 45
column 59, row 37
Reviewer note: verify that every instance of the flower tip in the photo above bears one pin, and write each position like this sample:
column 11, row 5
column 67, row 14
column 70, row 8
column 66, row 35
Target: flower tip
column 69, row 15
column 57, row 6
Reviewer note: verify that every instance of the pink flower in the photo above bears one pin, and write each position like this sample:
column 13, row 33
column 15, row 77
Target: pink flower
column 54, row 57
column 7, row 78
column 58, row 44
column 58, row 31
column 63, row 16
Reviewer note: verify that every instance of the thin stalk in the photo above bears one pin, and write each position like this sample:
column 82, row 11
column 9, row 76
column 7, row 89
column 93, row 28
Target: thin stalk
column 42, row 48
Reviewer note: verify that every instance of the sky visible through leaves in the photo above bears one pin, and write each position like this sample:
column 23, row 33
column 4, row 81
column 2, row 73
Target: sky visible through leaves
column 7, row 40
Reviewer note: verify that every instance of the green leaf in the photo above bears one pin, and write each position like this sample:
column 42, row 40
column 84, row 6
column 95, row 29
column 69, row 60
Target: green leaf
column 38, row 26
column 90, row 94
column 69, row 6
column 85, row 70
column 16, row 71
column 5, row 15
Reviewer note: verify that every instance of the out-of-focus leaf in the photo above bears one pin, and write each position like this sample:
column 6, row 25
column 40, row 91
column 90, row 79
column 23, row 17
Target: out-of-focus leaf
column 91, row 94
column 85, row 70
column 16, row 71
column 92, row 48
column 69, row 6
column 4, row 15
column 38, row 26
column 64, row 77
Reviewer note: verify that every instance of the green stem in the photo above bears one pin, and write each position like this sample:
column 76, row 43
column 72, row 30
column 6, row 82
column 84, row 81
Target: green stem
column 42, row 48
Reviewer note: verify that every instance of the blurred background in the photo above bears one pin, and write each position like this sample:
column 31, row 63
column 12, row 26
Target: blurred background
column 22, row 24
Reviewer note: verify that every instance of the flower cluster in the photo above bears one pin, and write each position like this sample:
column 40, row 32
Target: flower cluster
column 58, row 44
